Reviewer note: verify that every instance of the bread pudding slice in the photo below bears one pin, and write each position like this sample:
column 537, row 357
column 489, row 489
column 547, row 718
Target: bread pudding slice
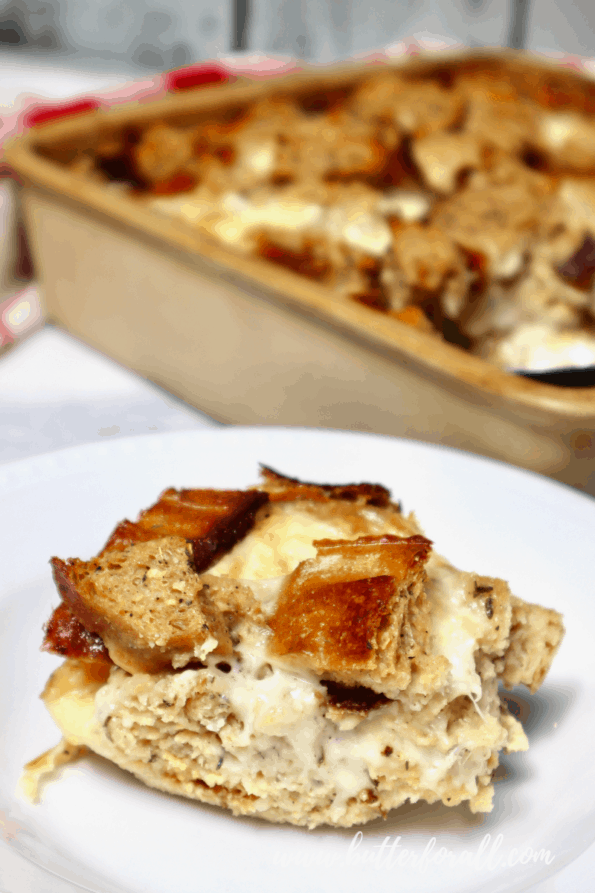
column 325, row 668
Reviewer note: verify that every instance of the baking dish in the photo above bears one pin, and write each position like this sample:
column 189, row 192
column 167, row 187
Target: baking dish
column 252, row 342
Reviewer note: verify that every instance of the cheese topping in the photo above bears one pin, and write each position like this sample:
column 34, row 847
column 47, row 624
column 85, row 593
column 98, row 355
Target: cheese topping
column 258, row 157
column 240, row 218
column 359, row 229
column 267, row 698
column 538, row 347
column 280, row 543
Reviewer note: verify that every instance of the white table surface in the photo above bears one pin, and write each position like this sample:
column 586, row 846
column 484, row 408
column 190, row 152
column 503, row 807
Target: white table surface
column 57, row 392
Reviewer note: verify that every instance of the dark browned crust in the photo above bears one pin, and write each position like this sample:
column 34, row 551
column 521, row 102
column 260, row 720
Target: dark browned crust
column 353, row 698
column 285, row 489
column 213, row 520
column 70, row 577
column 66, row 636
column 579, row 269
column 228, row 531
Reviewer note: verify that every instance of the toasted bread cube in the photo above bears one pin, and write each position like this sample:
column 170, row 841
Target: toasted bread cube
column 346, row 614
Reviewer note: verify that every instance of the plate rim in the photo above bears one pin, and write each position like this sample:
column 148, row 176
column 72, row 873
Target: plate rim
column 125, row 442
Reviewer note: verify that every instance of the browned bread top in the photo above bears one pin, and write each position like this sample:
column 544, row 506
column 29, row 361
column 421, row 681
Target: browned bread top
column 214, row 520
column 343, row 613
column 356, row 614
column 285, row 489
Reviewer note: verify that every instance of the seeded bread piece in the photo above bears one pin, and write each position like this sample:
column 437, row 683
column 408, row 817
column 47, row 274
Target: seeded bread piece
column 213, row 521
column 150, row 607
column 496, row 599
column 535, row 636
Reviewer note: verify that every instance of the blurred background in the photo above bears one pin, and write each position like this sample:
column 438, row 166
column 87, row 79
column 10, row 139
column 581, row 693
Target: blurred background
column 55, row 49
column 153, row 35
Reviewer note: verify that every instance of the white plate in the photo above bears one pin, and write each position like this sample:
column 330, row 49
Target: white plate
column 99, row 828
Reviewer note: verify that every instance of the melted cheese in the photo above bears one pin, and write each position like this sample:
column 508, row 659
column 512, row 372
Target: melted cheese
column 71, row 693
column 268, row 698
column 257, row 157
column 538, row 347
column 359, row 229
column 407, row 205
column 457, row 623
column 557, row 128
column 241, row 218
column 276, row 547
column 284, row 536
column 280, row 711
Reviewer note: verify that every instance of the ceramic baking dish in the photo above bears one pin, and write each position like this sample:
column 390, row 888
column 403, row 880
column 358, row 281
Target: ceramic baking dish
column 251, row 342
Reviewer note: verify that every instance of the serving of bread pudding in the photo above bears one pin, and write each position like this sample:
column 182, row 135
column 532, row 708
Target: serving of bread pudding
column 295, row 652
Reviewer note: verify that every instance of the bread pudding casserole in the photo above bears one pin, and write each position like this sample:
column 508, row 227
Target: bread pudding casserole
column 460, row 200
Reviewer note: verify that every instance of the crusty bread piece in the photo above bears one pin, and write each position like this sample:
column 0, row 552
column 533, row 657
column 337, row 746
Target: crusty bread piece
column 213, row 520
column 281, row 488
column 150, row 607
column 357, row 612
column 535, row 636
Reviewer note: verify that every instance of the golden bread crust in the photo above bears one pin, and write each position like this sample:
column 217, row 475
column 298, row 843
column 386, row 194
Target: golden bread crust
column 343, row 613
